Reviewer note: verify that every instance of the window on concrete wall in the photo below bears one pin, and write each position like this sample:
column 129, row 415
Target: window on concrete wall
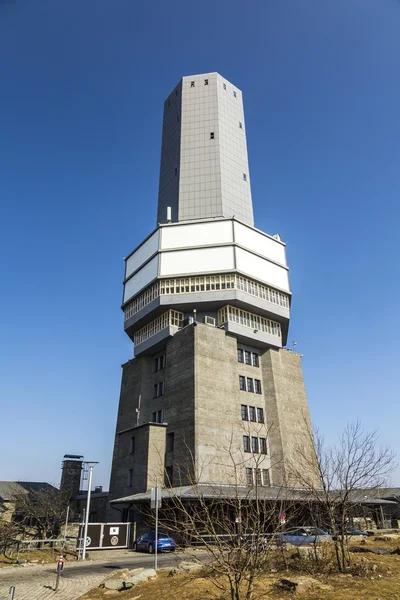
column 130, row 477
column 242, row 383
column 155, row 390
column 240, row 355
column 132, row 445
column 212, row 135
column 257, row 386
column 160, row 388
column 245, row 413
column 263, row 445
column 247, row 357
column 254, row 444
column 246, row 443
column 244, row 176
column 265, row 477
column 169, row 476
column 258, row 476
column 252, row 413
column 160, row 416
column 192, row 84
column 154, row 417
column 170, row 442
column 224, row 86
column 234, row 93
column 260, row 415
column 240, row 125
column 249, row 476
column 255, row 359
column 250, row 384
column 206, row 82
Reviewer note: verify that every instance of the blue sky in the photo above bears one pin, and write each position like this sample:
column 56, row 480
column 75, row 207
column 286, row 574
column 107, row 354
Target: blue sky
column 83, row 85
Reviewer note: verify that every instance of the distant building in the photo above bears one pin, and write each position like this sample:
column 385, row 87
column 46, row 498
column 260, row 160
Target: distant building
column 207, row 305
column 10, row 490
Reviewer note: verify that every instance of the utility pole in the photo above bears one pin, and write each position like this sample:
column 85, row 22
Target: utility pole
column 87, row 507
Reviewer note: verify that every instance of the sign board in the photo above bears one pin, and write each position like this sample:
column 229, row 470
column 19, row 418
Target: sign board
column 155, row 497
column 114, row 530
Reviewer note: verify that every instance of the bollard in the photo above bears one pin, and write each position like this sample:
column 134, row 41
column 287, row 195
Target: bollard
column 60, row 566
column 11, row 595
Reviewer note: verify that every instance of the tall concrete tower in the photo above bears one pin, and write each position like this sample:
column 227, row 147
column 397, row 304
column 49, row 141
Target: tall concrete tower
column 207, row 306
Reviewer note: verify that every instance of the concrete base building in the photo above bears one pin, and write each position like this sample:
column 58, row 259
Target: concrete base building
column 212, row 395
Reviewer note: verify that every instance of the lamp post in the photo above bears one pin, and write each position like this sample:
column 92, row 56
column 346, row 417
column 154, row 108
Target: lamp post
column 85, row 530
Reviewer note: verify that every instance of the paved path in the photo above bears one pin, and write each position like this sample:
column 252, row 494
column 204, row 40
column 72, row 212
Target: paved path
column 36, row 582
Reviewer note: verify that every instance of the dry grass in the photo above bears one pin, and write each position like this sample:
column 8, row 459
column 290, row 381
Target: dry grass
column 37, row 556
column 374, row 577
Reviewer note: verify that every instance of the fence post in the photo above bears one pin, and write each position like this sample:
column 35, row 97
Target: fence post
column 11, row 595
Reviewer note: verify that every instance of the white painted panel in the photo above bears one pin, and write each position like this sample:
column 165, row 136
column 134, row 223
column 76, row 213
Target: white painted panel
column 205, row 260
column 199, row 234
column 253, row 240
column 142, row 254
column 141, row 279
column 261, row 269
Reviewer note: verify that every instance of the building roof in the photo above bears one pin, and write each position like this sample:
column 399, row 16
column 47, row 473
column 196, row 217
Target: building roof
column 9, row 489
column 215, row 491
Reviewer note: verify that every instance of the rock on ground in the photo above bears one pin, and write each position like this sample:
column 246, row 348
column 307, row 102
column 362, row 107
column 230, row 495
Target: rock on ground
column 302, row 585
column 185, row 566
column 125, row 579
column 371, row 550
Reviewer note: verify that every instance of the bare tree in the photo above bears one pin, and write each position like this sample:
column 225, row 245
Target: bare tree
column 355, row 463
column 237, row 522
column 41, row 512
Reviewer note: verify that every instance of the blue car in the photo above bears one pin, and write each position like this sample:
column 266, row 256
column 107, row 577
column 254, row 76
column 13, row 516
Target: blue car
column 147, row 542
column 302, row 536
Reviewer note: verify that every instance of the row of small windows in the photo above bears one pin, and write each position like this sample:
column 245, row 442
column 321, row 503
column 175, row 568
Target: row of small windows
column 211, row 283
column 252, row 413
column 257, row 477
column 248, row 384
column 248, row 358
column 254, row 444
column 193, row 84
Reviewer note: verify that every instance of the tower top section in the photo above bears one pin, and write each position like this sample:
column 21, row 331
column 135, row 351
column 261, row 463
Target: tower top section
column 204, row 169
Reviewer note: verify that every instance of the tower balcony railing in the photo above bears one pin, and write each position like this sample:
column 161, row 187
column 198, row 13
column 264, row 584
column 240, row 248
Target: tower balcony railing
column 171, row 318
column 247, row 319
column 206, row 283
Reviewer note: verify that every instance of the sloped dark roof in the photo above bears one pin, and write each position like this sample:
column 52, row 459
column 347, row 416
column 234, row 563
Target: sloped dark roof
column 8, row 489
column 215, row 491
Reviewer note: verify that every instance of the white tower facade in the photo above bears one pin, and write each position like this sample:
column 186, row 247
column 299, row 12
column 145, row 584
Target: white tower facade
column 204, row 165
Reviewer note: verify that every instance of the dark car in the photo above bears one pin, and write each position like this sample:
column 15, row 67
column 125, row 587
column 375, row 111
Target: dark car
column 147, row 542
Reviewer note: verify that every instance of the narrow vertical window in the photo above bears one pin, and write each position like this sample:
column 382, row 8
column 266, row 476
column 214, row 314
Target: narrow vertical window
column 240, row 355
column 249, row 476
column 245, row 416
column 234, row 93
column 212, row 135
column 257, row 386
column 265, row 477
column 255, row 360
column 254, row 444
column 192, row 84
column 263, row 445
column 244, row 176
column 250, row 385
column 260, row 415
column 156, row 364
column 247, row 357
column 155, row 390
column 246, row 443
column 252, row 414
column 154, row 417
column 240, row 125
column 242, row 383
column 224, row 86
column 258, row 477
column 206, row 82
column 132, row 445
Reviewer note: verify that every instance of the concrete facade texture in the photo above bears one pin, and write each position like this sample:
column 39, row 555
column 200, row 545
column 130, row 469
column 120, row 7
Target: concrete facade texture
column 202, row 404
column 204, row 165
